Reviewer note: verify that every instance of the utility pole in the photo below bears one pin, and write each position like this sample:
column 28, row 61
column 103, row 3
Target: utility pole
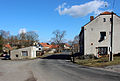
column 111, row 41
column 72, row 55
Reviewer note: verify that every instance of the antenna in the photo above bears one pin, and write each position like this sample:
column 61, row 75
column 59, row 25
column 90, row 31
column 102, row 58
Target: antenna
column 105, row 4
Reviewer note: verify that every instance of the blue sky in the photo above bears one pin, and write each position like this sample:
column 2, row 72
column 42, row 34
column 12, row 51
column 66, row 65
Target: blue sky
column 45, row 16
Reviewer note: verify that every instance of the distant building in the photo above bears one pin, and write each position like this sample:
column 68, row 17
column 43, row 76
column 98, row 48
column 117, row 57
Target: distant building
column 7, row 48
column 44, row 46
column 95, row 36
column 25, row 53
column 53, row 48
column 66, row 46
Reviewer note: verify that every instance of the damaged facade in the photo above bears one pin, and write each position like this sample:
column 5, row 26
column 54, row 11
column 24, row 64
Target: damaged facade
column 95, row 36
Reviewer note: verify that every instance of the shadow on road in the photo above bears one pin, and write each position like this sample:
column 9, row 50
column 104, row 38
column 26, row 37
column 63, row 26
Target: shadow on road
column 58, row 56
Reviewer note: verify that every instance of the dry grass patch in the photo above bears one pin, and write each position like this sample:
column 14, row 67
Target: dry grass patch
column 102, row 62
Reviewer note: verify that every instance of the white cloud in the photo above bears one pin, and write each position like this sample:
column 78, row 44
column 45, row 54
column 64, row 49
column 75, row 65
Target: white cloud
column 22, row 30
column 83, row 9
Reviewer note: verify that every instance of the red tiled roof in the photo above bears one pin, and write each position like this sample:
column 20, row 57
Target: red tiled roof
column 44, row 44
column 8, row 46
column 106, row 13
column 50, row 46
column 54, row 46
column 67, row 45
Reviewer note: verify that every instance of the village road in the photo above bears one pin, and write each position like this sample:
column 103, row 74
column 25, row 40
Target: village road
column 52, row 68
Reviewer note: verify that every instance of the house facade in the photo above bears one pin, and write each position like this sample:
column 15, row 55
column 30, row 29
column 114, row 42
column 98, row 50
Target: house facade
column 24, row 53
column 66, row 46
column 95, row 36
column 44, row 46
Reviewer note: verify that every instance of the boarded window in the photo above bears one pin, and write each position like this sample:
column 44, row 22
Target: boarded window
column 24, row 53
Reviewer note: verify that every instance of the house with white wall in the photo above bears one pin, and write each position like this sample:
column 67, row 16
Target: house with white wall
column 25, row 53
column 95, row 36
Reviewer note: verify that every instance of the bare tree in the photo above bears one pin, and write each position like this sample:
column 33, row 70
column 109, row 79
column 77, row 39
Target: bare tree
column 22, row 36
column 76, row 43
column 58, row 37
column 31, row 37
column 13, row 40
column 22, row 39
column 3, row 38
column 4, row 34
column 76, row 39
column 28, row 38
column 1, row 43
column 70, row 42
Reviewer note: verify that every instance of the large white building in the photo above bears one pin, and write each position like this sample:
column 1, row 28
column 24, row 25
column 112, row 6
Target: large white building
column 95, row 36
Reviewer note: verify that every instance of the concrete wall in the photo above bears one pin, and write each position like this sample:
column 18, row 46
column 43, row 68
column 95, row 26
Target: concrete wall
column 18, row 52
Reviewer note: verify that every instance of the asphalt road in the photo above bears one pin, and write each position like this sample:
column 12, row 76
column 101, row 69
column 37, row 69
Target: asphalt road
column 52, row 68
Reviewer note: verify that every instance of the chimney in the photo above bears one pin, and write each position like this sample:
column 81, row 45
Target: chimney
column 91, row 18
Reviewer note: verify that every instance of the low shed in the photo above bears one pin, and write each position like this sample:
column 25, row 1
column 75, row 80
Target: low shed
column 23, row 53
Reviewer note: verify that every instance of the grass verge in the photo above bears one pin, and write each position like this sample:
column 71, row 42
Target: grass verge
column 102, row 62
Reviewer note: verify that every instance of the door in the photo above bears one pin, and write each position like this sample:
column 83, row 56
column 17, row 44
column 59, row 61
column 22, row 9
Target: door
column 38, row 53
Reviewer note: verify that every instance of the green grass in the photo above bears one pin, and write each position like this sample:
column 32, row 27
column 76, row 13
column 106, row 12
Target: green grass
column 102, row 62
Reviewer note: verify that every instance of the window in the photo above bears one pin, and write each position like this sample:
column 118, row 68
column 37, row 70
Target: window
column 110, row 19
column 102, row 50
column 39, row 48
column 24, row 53
column 91, row 29
column 102, row 36
column 104, row 20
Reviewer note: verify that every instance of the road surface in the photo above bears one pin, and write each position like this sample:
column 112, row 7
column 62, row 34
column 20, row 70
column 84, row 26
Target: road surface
column 52, row 68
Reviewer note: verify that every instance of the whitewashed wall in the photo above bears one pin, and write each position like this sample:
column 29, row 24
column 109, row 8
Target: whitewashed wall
column 92, row 34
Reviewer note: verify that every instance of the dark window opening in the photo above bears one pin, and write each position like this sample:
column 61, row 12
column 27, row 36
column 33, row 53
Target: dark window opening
column 102, row 50
column 24, row 53
column 110, row 19
column 91, row 29
column 104, row 20
column 16, row 55
column 39, row 48
column 102, row 36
